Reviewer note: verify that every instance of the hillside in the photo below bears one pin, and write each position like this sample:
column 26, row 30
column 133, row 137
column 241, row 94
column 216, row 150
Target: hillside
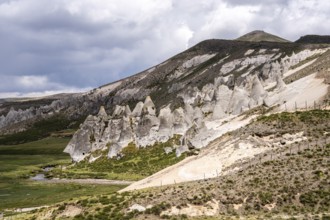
column 314, row 39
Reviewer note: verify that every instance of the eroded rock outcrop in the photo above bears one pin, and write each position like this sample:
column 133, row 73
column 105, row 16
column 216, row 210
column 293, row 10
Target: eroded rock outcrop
column 143, row 127
column 240, row 84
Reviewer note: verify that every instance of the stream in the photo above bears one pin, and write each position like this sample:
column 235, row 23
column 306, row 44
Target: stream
column 42, row 177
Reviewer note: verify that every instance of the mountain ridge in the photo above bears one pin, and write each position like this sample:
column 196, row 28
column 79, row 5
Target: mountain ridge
column 109, row 95
column 314, row 39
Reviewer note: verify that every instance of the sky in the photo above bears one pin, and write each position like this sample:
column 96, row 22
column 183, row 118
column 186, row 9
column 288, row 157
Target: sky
column 57, row 46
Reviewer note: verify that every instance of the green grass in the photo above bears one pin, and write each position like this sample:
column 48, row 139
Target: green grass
column 135, row 164
column 19, row 161
column 41, row 129
column 303, row 116
column 47, row 146
column 20, row 194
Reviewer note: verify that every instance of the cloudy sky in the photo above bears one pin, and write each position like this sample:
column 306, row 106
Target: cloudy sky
column 74, row 45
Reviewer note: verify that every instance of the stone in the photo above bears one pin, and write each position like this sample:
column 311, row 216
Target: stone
column 280, row 84
column 137, row 111
column 239, row 100
column 257, row 92
column 119, row 111
column 180, row 123
column 102, row 112
column 168, row 150
column 137, row 207
column 180, row 150
column 149, row 107
column 165, row 130
column 218, row 111
column 114, row 150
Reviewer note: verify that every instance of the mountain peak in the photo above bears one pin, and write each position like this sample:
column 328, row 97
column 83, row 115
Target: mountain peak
column 260, row 35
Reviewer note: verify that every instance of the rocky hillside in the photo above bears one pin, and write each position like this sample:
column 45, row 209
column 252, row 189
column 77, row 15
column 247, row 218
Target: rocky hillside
column 201, row 94
column 287, row 179
column 195, row 67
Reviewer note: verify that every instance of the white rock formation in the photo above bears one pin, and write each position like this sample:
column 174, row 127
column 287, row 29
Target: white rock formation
column 199, row 120
column 195, row 61
column 149, row 107
column 138, row 109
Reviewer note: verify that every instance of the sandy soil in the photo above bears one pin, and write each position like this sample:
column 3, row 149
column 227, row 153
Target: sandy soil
column 210, row 163
column 303, row 92
column 292, row 71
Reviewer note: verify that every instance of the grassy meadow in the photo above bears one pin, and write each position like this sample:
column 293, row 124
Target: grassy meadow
column 19, row 162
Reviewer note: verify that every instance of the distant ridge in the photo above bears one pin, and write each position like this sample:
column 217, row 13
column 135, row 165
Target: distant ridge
column 258, row 35
column 314, row 39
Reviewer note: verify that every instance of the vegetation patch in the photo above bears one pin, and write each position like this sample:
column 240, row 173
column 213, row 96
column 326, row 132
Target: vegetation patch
column 41, row 129
column 135, row 163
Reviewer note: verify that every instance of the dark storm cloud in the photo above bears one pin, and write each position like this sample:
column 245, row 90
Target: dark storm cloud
column 69, row 45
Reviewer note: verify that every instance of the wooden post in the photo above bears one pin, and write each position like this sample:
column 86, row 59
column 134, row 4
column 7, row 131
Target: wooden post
column 308, row 144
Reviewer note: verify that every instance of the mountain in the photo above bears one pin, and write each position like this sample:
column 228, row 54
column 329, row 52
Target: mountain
column 189, row 94
column 191, row 68
column 257, row 36
column 314, row 39
column 230, row 62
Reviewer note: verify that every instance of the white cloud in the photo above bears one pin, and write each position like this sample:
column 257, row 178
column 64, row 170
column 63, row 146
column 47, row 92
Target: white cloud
column 43, row 93
column 32, row 81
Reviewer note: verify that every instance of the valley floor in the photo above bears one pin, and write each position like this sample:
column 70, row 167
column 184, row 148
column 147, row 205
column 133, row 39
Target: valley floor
column 20, row 162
